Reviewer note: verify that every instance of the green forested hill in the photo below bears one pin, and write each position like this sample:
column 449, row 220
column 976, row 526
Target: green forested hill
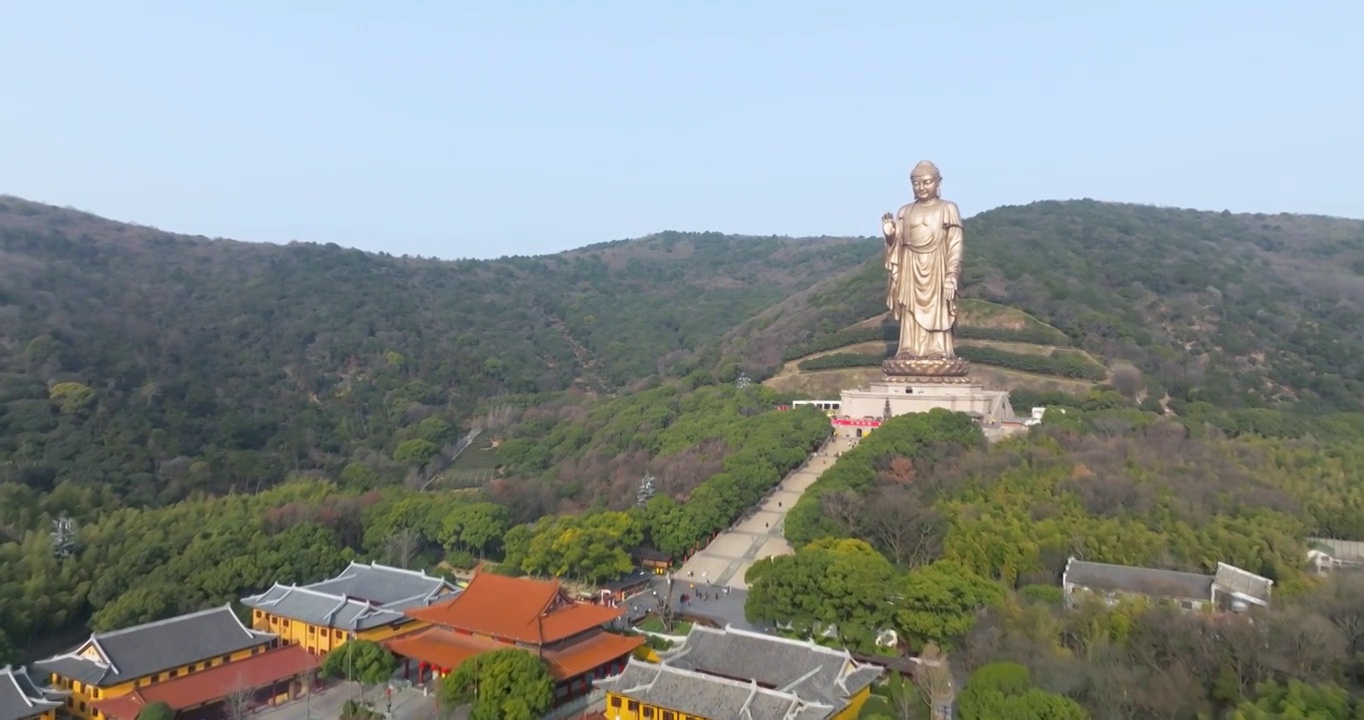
column 1237, row 310
column 144, row 374
column 153, row 365
column 143, row 368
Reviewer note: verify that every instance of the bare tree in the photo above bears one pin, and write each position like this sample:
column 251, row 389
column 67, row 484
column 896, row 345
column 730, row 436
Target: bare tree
column 933, row 676
column 498, row 417
column 1308, row 646
column 307, row 679
column 900, row 470
column 900, row 523
column 1126, row 379
column 681, row 472
column 1342, row 602
column 1108, row 684
column 669, row 617
column 905, row 701
column 1173, row 691
column 401, row 547
column 237, row 704
column 843, row 507
column 1242, row 646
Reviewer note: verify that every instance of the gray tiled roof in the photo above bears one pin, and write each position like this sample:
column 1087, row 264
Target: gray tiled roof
column 310, row 606
column 20, row 697
column 1144, row 581
column 695, row 693
column 360, row 598
column 638, row 577
column 813, row 672
column 143, row 650
column 1234, row 579
column 862, row 677
column 382, row 585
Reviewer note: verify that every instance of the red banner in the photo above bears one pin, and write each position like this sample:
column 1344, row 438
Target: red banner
column 856, row 423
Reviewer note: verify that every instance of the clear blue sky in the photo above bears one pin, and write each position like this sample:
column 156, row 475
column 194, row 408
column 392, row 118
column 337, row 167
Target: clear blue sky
column 460, row 129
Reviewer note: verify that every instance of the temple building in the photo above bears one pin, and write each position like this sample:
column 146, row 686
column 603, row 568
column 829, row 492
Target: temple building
column 496, row 612
column 651, row 560
column 1229, row 588
column 734, row 674
column 195, row 662
column 23, row 699
column 365, row 602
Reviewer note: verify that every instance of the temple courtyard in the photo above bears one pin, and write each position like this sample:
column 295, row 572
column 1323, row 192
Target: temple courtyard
column 408, row 704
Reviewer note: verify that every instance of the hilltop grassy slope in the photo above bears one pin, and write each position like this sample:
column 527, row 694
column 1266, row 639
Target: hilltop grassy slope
column 1009, row 348
column 1237, row 310
column 155, row 364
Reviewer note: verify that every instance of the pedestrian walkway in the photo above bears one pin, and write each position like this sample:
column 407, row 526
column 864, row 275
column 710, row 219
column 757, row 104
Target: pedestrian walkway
column 408, row 704
column 758, row 535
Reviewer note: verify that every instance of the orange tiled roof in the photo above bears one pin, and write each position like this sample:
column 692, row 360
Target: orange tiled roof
column 441, row 647
column 573, row 660
column 447, row 649
column 213, row 684
column 518, row 609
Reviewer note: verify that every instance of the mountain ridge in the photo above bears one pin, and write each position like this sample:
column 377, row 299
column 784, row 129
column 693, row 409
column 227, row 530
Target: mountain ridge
column 156, row 365
column 1185, row 296
column 211, row 364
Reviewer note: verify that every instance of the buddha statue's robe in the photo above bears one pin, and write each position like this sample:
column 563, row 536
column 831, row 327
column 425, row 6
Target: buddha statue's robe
column 925, row 251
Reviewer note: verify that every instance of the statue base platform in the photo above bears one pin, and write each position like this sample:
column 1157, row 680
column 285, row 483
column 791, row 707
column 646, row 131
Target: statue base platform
column 901, row 394
column 927, row 371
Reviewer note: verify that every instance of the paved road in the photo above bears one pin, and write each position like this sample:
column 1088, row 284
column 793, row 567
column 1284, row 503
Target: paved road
column 720, row 607
column 759, row 534
column 713, row 579
column 408, row 704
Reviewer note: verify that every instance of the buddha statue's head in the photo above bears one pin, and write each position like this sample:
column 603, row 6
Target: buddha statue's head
column 925, row 178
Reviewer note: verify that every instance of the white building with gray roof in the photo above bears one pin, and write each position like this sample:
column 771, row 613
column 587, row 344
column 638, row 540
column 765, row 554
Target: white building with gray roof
column 21, row 698
column 1230, row 588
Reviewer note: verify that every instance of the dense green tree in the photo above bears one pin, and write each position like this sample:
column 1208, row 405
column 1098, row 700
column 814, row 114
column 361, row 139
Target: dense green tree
column 1005, row 690
column 940, row 603
column 847, row 585
column 134, row 565
column 727, row 438
column 474, row 527
column 417, row 451
column 362, row 661
column 841, row 584
column 1299, row 701
column 307, row 550
column 360, row 477
column 594, row 547
column 8, row 653
column 509, row 684
column 160, row 365
column 139, row 605
column 156, row 711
